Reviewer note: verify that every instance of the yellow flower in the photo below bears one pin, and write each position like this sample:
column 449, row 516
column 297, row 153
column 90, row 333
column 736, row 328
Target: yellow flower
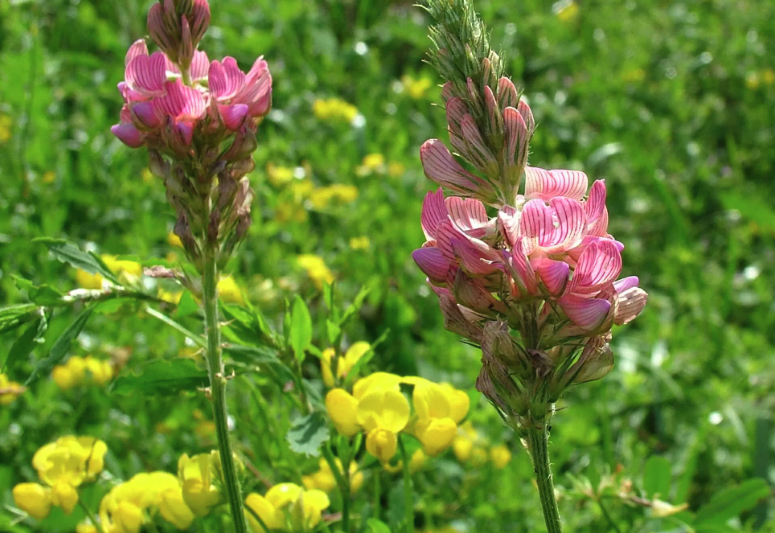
column 500, row 456
column 196, row 474
column 229, row 291
column 416, row 462
column 85, row 527
column 118, row 267
column 342, row 408
column 396, row 170
column 382, row 414
column 334, row 109
column 567, row 11
column 416, row 88
column 325, row 480
column 78, row 371
column 316, row 269
column 174, row 240
column 360, row 243
column 88, row 281
column 174, row 509
column 286, row 500
column 459, row 402
column 338, row 193
column 343, row 364
column 170, row 296
column 9, row 390
column 49, row 177
column 33, row 499
column 279, row 176
column 5, row 128
column 374, row 161
column 436, row 428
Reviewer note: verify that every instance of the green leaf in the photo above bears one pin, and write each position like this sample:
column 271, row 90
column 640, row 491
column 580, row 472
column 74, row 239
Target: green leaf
column 260, row 355
column 68, row 252
column 334, row 332
column 246, row 326
column 329, row 296
column 352, row 375
column 163, row 377
column 308, row 433
column 25, row 343
column 61, row 346
column 13, row 316
column 301, row 328
column 657, row 477
column 198, row 340
column 186, row 306
column 377, row 526
column 355, row 306
column 729, row 503
column 43, row 295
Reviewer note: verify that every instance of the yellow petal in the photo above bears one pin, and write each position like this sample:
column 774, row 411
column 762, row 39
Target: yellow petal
column 63, row 377
column 384, row 409
column 459, row 402
column 325, row 367
column 382, row 444
column 376, row 381
column 436, row 434
column 85, row 527
column 356, row 478
column 272, row 517
column 33, row 499
column 174, row 510
column 352, row 356
column 500, row 456
column 283, row 494
column 313, row 503
column 417, row 461
column 462, row 447
column 430, row 401
column 342, row 408
column 128, row 517
column 199, row 497
column 65, row 496
column 88, row 281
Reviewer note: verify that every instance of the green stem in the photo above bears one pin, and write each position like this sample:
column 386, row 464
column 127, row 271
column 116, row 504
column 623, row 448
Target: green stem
column 218, row 390
column 90, row 515
column 538, row 441
column 377, row 493
column 342, row 483
column 408, row 497
column 608, row 516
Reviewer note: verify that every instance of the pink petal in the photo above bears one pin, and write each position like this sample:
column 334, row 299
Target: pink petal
column 554, row 274
column 536, row 222
column 441, row 167
column 546, row 185
column 257, row 94
column 147, row 74
column 507, row 94
column 595, row 209
column 456, row 110
column 200, row 66
column 626, row 283
column 567, row 225
column 138, row 48
column 527, row 114
column 434, row 211
column 260, row 66
column 447, row 91
column 517, row 137
column 471, row 293
column 445, row 233
column 186, row 131
column 525, row 277
column 233, row 115
column 508, row 224
column 587, row 313
column 492, row 105
column 432, row 262
column 226, row 79
column 468, row 214
column 598, row 265
column 629, row 305
column 128, row 135
column 181, row 102
column 471, row 258
column 479, row 154
column 200, row 19
column 147, row 115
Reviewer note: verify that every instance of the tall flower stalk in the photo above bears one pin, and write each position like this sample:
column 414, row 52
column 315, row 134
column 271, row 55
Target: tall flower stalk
column 535, row 285
column 198, row 120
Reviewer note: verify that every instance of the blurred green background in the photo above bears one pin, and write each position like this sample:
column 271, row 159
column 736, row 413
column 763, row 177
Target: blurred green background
column 672, row 103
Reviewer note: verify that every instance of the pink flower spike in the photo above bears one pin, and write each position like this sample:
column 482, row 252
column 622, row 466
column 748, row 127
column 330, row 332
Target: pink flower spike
column 256, row 94
column 598, row 265
column 146, row 113
column 181, row 102
column 554, row 274
column 469, row 215
column 479, row 154
column 432, row 262
column 516, row 136
column 527, row 114
column 587, row 313
column 434, row 212
column 226, row 79
column 139, row 48
column 447, row 91
column 525, row 275
column 472, row 259
column 507, row 93
column 543, row 184
column 128, row 134
column 233, row 115
column 626, row 283
column 441, row 167
column 630, row 303
column 200, row 66
column 200, row 19
column 456, row 110
column 147, row 74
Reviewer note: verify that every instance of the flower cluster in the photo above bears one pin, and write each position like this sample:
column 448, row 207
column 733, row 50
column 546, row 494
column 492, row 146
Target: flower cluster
column 286, row 507
column 469, row 445
column 198, row 118
column 379, row 408
column 536, row 284
column 9, row 390
column 80, row 371
column 198, row 476
column 62, row 466
column 132, row 504
column 325, row 480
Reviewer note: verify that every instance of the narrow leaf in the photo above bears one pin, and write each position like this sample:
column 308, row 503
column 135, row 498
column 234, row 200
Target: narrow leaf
column 163, row 377
column 308, row 433
column 186, row 306
column 13, row 316
column 68, row 252
column 355, row 306
column 25, row 343
column 729, row 503
column 301, row 328
column 61, row 347
column 198, row 340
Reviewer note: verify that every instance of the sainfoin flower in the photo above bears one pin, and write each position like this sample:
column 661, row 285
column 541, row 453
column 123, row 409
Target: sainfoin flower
column 536, row 283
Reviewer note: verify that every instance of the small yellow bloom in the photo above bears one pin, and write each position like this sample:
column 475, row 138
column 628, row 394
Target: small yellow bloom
column 374, row 161
column 5, row 128
column 325, row 480
column 199, row 492
column 273, row 517
column 396, row 170
column 323, row 197
column 435, row 434
column 146, row 175
column 88, row 281
column 316, row 269
column 79, row 371
column 360, row 243
column 173, row 508
column 416, row 462
column 279, row 176
column 172, row 297
column 33, row 499
column 49, row 176
column 343, row 364
column 500, row 456
column 567, row 11
column 9, row 390
column 229, row 291
column 383, row 414
column 286, row 500
column 416, row 88
column 342, row 408
column 65, row 496
column 119, row 266
column 85, row 527
column 334, row 109
column 174, row 240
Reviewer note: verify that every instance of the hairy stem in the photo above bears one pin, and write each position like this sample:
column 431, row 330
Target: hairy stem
column 538, row 442
column 218, row 390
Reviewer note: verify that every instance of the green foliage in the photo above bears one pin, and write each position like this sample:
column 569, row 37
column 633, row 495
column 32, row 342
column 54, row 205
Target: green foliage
column 309, row 433
column 164, row 377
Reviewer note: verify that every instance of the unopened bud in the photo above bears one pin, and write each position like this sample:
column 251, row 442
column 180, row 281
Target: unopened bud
column 157, row 164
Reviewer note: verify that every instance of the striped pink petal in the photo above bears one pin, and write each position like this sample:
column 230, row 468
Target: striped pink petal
column 507, row 94
column 138, row 48
column 259, row 68
column 434, row 212
column 524, row 275
column 470, row 292
column 629, row 305
column 225, row 79
column 433, row 263
column 456, row 110
column 181, row 102
column 598, row 265
column 516, row 134
column 545, row 185
column 147, row 74
column 147, row 114
column 492, row 106
column 596, row 211
column 626, row 283
column 200, row 66
column 508, row 224
column 554, row 274
column 233, row 115
column 257, row 92
column 441, row 167
column 472, row 258
column 587, row 313
column 448, row 91
column 468, row 214
column 527, row 114
column 575, row 253
column 479, row 154
column 128, row 134
column 445, row 233
column 200, row 19
column 567, row 225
